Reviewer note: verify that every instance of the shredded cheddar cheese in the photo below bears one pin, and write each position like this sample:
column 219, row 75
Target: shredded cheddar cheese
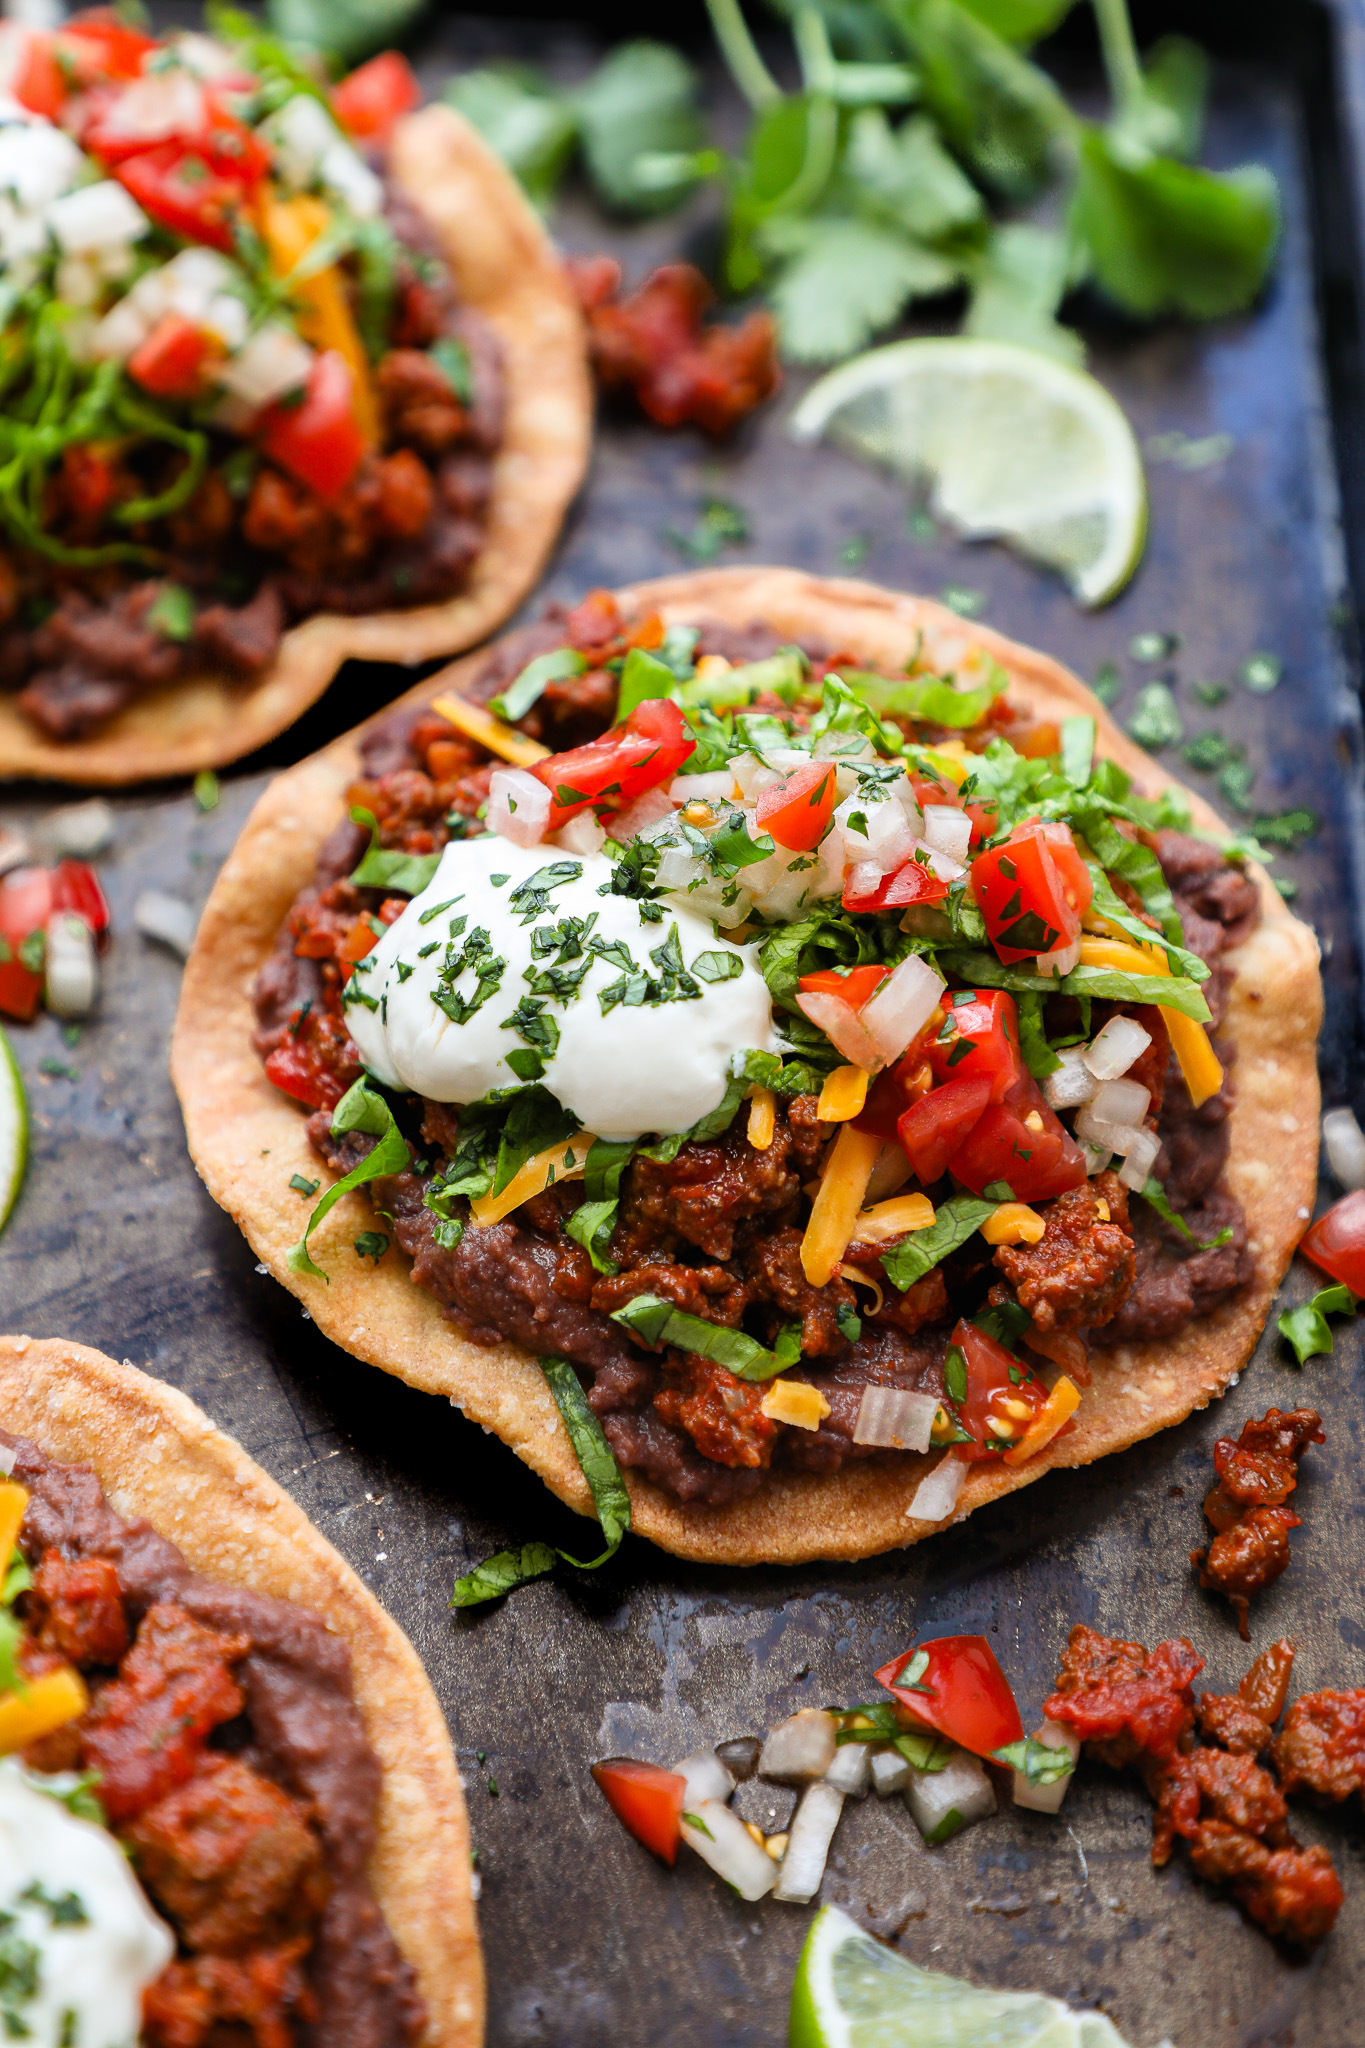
column 477, row 724
column 838, row 1200
column 1189, row 1041
column 555, row 1163
column 13, row 1501
column 762, row 1118
column 1013, row 1223
column 291, row 228
column 887, row 1220
column 46, row 1703
column 792, row 1401
column 843, row 1095
column 1060, row 1405
column 710, row 666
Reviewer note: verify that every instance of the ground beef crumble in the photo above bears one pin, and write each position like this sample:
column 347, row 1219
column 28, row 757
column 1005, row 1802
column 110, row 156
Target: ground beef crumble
column 717, row 1231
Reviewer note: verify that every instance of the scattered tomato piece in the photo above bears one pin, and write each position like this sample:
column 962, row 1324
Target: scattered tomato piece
column 647, row 1800
column 959, row 1690
column 319, row 440
column 797, row 811
column 376, row 95
column 170, row 362
column 1336, row 1242
column 645, row 753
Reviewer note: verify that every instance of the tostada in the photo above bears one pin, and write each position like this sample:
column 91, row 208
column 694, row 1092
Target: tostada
column 229, row 1809
column 805, row 1013
column 290, row 374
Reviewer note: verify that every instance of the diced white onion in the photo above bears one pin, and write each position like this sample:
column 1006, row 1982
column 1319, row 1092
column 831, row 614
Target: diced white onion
column 70, row 973
column 1139, row 1159
column 300, row 134
column 849, row 1773
column 714, row 786
column 730, row 1849
column 518, row 806
column 77, row 831
column 890, row 1772
column 862, row 878
column 1070, row 1084
column 96, row 217
column 842, row 1028
column 785, row 883
column 808, row 1839
column 645, row 811
column 273, row 362
column 1118, row 1104
column 168, row 919
column 77, row 281
column 1048, row 1798
column 882, row 832
column 1062, row 960
column 15, row 851
column 1097, row 1157
column 895, row 1419
column 752, row 775
column 707, row 1778
column 937, row 1493
column 1345, row 1142
column 23, row 238
column 226, row 316
column 902, row 1006
column 123, row 328
column 38, row 163
column 948, row 828
column 938, row 863
column 190, row 281
column 582, row 835
column 155, row 108
column 800, row 1747
column 205, row 57
column 344, row 171
column 962, row 1787
column 1113, row 1050
column 1118, row 1138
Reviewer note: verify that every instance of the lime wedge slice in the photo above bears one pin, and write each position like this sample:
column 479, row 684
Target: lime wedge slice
column 850, row 1992
column 1011, row 444
column 13, row 1131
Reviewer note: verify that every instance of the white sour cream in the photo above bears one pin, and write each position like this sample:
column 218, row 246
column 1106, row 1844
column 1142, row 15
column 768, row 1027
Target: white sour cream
column 80, row 1925
column 647, row 1067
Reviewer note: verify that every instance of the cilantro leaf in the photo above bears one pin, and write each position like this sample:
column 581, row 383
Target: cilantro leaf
column 1038, row 1763
column 1306, row 1327
column 524, row 120
column 642, row 677
column 1155, row 1195
column 1018, row 279
column 384, row 867
column 639, row 104
column 1000, row 113
column 658, row 1322
column 529, row 686
column 841, row 280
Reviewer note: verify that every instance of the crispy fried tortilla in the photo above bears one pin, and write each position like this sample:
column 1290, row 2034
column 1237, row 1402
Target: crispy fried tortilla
column 246, row 1138
column 504, row 267
column 156, row 1454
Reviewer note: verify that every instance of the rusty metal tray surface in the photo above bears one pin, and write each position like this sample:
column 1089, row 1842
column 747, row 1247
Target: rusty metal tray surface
column 115, row 1242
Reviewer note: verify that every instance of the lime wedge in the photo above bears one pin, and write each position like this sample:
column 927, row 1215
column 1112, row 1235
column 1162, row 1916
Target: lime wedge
column 13, row 1131
column 850, row 1992
column 1012, row 445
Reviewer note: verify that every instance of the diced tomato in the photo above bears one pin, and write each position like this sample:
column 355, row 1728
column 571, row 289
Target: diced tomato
column 170, row 362
column 978, row 1039
column 931, row 789
column 25, row 907
column 378, row 94
column 797, row 812
column 933, row 1129
column 88, row 482
column 894, row 1090
column 853, row 985
column 999, row 1390
column 231, row 146
column 915, row 882
column 39, row 82
column 1038, row 742
column 182, row 191
column 319, row 440
column 644, row 753
column 1336, row 1242
column 985, row 818
column 1077, row 883
column 1019, row 1142
column 75, row 887
column 647, row 1800
column 1023, row 899
column 960, row 1691
column 98, row 46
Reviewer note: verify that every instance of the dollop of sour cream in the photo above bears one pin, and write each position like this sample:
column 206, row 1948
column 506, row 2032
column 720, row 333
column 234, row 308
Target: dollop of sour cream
column 80, row 1939
column 523, row 945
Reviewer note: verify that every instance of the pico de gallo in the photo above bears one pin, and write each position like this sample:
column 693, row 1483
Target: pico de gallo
column 239, row 385
column 53, row 923
column 943, row 1109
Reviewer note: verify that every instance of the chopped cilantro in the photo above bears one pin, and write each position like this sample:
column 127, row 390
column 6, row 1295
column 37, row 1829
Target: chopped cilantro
column 1260, row 673
column 301, row 1186
column 1155, row 721
column 1306, row 1327
column 172, row 613
column 1153, row 647
column 371, row 1244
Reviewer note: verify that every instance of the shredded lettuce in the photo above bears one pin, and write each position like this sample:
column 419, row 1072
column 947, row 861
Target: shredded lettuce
column 529, row 687
column 955, row 1221
column 658, row 1322
column 1306, row 1327
column 360, row 1109
column 385, row 867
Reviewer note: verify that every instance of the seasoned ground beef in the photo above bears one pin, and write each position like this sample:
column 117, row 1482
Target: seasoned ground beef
column 256, row 1850
column 717, row 1230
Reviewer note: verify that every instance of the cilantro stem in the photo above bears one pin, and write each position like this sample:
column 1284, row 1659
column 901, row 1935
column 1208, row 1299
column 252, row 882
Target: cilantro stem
column 813, row 51
column 740, row 52
column 1121, row 60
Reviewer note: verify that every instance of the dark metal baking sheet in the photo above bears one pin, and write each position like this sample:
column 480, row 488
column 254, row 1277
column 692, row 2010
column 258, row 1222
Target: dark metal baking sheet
column 115, row 1243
